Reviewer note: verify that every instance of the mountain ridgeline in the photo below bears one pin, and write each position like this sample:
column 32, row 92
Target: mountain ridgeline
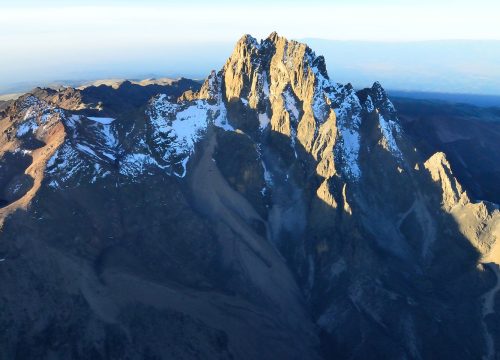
column 267, row 213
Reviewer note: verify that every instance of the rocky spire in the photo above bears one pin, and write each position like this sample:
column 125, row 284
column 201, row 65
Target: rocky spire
column 287, row 87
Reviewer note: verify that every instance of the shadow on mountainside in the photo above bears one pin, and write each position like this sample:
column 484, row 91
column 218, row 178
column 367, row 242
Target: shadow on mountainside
column 387, row 304
column 467, row 134
column 105, row 100
column 14, row 183
column 228, row 264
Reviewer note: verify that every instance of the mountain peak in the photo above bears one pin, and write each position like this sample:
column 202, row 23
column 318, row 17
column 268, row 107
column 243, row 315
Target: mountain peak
column 378, row 91
column 247, row 39
column 273, row 36
column 267, row 213
column 287, row 88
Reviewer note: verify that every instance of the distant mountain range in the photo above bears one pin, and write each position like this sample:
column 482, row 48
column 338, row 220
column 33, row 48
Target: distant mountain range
column 460, row 66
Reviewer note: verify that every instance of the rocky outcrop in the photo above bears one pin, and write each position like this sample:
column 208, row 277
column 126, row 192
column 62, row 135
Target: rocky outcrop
column 440, row 171
column 479, row 221
column 33, row 130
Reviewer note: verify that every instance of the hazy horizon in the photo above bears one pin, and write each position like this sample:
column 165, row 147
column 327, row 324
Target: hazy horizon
column 411, row 46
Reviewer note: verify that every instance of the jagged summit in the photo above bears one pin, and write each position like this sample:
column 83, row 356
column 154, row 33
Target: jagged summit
column 295, row 56
column 288, row 90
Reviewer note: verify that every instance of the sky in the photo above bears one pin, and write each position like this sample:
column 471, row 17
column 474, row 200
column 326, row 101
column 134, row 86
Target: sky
column 42, row 41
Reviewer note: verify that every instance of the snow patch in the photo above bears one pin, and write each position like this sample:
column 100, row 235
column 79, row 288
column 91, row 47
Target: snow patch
column 25, row 128
column 389, row 128
column 136, row 164
column 268, row 178
column 108, row 135
column 348, row 122
column 265, row 86
column 350, row 142
column 178, row 127
column 86, row 150
column 64, row 165
column 186, row 129
column 369, row 104
column 101, row 120
column 291, row 105
column 320, row 107
column 263, row 121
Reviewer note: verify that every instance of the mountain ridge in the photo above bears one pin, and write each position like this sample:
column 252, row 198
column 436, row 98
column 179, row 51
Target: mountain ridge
column 269, row 212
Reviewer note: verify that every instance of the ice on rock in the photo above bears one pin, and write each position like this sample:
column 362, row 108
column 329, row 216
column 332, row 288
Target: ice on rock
column 25, row 128
column 65, row 165
column 350, row 141
column 101, row 120
column 137, row 164
column 348, row 122
column 389, row 128
column 188, row 127
column 265, row 86
column 178, row 127
column 263, row 120
column 86, row 149
column 108, row 135
column 291, row 104
column 36, row 113
column 320, row 107
column 369, row 104
column 268, row 178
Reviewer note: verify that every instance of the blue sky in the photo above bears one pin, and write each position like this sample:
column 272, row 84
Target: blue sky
column 56, row 39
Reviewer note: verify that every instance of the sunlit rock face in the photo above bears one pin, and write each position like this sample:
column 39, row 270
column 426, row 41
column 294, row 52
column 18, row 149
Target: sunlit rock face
column 268, row 212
